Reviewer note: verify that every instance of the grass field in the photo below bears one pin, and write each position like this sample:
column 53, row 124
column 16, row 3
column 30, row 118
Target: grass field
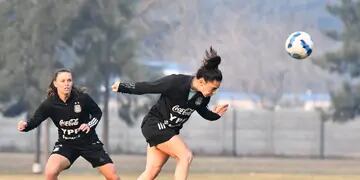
column 18, row 167
column 206, row 176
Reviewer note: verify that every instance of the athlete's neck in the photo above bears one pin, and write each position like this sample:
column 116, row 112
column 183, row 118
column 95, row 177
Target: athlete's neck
column 195, row 84
column 64, row 97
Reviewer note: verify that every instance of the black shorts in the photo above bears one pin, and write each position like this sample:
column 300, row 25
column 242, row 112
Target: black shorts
column 156, row 132
column 93, row 153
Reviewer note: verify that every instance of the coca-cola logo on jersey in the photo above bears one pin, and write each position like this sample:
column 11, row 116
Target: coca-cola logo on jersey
column 71, row 122
column 182, row 111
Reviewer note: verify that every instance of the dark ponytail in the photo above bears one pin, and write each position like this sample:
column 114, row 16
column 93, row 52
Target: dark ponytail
column 209, row 70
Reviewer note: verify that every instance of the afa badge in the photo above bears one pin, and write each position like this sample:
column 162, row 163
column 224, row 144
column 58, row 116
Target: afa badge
column 77, row 107
column 198, row 101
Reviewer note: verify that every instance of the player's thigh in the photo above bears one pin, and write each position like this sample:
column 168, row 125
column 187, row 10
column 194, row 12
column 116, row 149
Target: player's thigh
column 108, row 170
column 64, row 154
column 57, row 163
column 155, row 158
column 96, row 155
column 175, row 147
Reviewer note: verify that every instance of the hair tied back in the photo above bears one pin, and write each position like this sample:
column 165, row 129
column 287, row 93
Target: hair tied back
column 213, row 62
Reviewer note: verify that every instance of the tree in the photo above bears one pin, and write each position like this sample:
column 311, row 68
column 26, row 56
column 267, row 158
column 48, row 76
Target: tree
column 102, row 37
column 346, row 60
column 29, row 35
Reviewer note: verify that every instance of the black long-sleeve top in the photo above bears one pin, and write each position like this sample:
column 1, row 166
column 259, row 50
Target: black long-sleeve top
column 173, row 107
column 68, row 116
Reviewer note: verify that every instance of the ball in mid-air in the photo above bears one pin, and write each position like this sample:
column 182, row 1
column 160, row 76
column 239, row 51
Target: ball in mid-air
column 299, row 45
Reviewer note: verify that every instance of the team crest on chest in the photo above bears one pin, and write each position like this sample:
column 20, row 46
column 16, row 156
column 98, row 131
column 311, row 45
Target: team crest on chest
column 198, row 101
column 77, row 107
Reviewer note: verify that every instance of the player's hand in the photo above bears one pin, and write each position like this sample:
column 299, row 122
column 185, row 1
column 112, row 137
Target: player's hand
column 221, row 109
column 84, row 128
column 21, row 126
column 115, row 86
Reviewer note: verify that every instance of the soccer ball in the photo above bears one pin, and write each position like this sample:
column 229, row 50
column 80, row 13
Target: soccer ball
column 299, row 45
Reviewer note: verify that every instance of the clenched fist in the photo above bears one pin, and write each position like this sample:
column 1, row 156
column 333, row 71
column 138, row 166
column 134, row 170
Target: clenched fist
column 221, row 109
column 21, row 126
column 115, row 86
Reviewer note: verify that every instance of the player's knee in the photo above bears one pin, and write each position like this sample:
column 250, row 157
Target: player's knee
column 186, row 157
column 154, row 170
column 113, row 177
column 51, row 172
column 189, row 157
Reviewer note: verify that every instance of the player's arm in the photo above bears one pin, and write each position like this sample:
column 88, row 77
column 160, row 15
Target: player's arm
column 213, row 115
column 94, row 111
column 159, row 86
column 39, row 116
column 207, row 114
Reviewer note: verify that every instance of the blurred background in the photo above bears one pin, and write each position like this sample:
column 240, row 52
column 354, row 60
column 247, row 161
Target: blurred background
column 286, row 116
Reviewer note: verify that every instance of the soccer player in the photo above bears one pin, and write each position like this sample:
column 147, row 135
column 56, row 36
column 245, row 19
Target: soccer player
column 76, row 116
column 181, row 95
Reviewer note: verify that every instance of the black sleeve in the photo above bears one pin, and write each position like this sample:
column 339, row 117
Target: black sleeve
column 206, row 113
column 159, row 86
column 93, row 109
column 39, row 116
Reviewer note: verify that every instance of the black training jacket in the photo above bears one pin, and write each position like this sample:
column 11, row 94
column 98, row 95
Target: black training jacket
column 68, row 117
column 173, row 107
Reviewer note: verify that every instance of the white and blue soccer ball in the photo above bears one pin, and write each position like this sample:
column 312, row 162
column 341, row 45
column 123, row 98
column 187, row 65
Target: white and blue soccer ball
column 299, row 45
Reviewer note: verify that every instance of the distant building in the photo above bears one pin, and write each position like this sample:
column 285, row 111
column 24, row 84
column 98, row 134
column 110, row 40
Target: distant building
column 249, row 101
column 243, row 101
column 314, row 101
column 308, row 101
column 166, row 67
